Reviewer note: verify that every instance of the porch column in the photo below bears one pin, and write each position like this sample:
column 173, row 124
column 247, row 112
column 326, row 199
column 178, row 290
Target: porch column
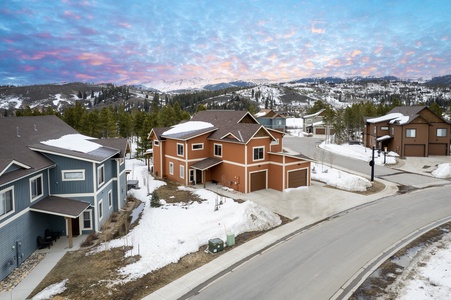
column 204, row 179
column 69, row 229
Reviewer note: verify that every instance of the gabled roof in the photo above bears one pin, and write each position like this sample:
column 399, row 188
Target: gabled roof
column 223, row 118
column 268, row 113
column 25, row 136
column 314, row 115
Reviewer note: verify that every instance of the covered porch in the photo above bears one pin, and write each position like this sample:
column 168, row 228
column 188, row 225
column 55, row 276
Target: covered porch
column 199, row 168
column 69, row 209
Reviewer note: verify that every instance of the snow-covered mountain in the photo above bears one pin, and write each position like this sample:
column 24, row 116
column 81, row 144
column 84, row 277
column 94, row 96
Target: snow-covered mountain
column 198, row 84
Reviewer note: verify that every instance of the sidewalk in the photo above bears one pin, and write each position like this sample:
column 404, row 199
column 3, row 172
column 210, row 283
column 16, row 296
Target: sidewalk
column 52, row 257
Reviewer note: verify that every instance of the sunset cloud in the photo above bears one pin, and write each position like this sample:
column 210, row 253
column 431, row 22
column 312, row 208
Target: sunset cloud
column 132, row 42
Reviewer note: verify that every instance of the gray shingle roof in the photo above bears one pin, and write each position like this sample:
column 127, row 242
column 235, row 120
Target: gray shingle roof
column 24, row 132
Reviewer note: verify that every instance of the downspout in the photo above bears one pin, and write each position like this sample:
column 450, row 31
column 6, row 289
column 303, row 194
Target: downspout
column 245, row 169
column 96, row 209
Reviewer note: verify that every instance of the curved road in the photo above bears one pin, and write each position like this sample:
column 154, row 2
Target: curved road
column 323, row 260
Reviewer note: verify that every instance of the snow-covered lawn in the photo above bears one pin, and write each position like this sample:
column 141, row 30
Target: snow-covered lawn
column 167, row 233
column 339, row 179
column 360, row 152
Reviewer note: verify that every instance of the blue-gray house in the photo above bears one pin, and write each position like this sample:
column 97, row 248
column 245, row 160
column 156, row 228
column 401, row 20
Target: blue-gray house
column 52, row 177
column 271, row 119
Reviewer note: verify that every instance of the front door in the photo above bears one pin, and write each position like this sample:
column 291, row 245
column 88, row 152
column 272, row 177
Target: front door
column 75, row 226
column 198, row 176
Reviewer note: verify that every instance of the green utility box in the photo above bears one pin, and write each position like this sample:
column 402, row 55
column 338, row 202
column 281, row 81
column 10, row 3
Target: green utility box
column 215, row 245
column 230, row 239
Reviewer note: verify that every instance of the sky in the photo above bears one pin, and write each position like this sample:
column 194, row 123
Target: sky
column 131, row 42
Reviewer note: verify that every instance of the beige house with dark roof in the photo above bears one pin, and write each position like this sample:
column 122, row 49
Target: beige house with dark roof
column 227, row 147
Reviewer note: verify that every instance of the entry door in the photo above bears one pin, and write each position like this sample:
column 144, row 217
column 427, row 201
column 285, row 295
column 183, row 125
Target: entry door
column 75, row 227
column 198, row 176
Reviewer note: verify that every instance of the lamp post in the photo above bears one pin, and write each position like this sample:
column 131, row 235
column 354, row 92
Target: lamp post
column 372, row 165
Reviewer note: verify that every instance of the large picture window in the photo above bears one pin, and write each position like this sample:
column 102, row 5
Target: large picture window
column 259, row 153
column 411, row 132
column 6, row 201
column 36, row 187
column 73, row 175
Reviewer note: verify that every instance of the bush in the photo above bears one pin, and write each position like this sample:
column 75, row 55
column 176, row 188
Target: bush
column 155, row 200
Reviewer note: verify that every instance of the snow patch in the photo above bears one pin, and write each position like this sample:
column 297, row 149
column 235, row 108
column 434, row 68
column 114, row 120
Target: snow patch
column 74, row 142
column 51, row 291
column 187, row 127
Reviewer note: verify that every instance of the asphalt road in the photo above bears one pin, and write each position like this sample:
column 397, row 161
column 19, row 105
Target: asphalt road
column 308, row 147
column 318, row 263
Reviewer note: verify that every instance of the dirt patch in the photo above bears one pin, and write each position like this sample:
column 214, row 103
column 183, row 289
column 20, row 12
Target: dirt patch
column 377, row 284
column 92, row 276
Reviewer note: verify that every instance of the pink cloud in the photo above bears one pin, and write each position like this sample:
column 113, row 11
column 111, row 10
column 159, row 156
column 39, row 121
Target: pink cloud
column 71, row 15
column 355, row 53
column 314, row 29
column 124, row 25
column 94, row 59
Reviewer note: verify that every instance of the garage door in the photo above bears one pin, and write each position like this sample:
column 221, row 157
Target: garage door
column 437, row 149
column 320, row 131
column 297, row 178
column 414, row 150
column 258, row 181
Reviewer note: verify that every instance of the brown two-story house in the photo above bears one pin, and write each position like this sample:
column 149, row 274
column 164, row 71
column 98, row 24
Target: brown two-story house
column 409, row 131
column 230, row 148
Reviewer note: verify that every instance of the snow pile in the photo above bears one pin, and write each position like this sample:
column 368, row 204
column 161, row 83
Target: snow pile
column 360, row 152
column 430, row 276
column 50, row 291
column 166, row 234
column 442, row 171
column 339, row 179
column 74, row 142
column 188, row 126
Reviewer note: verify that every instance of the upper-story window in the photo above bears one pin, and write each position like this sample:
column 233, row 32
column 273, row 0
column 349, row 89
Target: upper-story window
column 73, row 175
column 259, row 153
column 374, row 129
column 392, row 130
column 384, row 127
column 441, row 132
column 156, row 143
column 6, row 201
column 198, row 146
column 36, row 187
column 218, row 150
column 100, row 175
column 411, row 132
column 180, row 149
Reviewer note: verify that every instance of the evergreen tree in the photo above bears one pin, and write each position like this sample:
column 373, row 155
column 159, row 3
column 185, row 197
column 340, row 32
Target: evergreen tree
column 155, row 200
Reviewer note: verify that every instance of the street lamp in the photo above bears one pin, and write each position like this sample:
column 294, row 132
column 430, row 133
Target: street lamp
column 372, row 163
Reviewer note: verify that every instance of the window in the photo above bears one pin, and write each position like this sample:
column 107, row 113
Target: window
column 100, row 175
column 110, row 199
column 198, row 146
column 411, row 133
column 218, row 150
column 392, row 130
column 441, row 132
column 73, row 175
column 6, row 201
column 180, row 149
column 36, row 187
column 182, row 171
column 87, row 219
column 384, row 127
column 100, row 206
column 375, row 129
column 259, row 153
column 156, row 143
column 171, row 168
column 191, row 175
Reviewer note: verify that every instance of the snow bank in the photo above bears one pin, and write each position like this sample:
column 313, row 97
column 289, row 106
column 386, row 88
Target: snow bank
column 339, row 179
column 50, row 291
column 360, row 152
column 442, row 171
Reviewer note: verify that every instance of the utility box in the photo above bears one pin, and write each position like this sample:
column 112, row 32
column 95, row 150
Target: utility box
column 215, row 245
column 230, row 239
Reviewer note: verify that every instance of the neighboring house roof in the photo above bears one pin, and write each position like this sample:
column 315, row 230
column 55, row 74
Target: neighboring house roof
column 25, row 135
column 400, row 115
column 225, row 125
column 268, row 113
column 314, row 115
